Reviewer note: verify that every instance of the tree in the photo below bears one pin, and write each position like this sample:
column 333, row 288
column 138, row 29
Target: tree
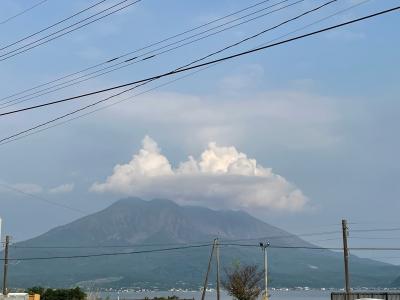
column 64, row 294
column 243, row 282
column 36, row 290
column 58, row 294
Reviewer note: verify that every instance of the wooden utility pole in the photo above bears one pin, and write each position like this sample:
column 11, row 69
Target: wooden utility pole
column 345, row 231
column 5, row 265
column 218, row 279
column 208, row 271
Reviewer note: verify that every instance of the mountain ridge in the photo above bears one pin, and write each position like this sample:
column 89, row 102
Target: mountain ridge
column 132, row 224
column 119, row 209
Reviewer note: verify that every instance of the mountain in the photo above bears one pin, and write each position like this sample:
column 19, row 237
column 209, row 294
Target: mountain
column 136, row 225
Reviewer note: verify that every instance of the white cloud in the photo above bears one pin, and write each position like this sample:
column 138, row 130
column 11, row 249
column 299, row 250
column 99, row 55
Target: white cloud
column 221, row 178
column 248, row 77
column 63, row 188
column 295, row 119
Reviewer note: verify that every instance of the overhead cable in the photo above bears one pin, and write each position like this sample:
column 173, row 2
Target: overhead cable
column 44, row 40
column 198, row 246
column 206, row 63
column 17, row 190
column 136, row 50
column 22, row 12
column 53, row 25
column 145, row 56
column 17, row 135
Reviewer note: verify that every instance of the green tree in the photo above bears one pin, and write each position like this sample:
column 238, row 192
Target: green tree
column 36, row 290
column 58, row 294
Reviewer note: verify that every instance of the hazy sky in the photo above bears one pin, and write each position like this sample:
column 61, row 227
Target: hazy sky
column 301, row 135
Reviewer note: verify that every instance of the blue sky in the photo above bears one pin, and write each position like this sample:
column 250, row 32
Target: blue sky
column 320, row 112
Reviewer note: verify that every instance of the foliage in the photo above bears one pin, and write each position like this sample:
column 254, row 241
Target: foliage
column 58, row 294
column 36, row 290
column 243, row 282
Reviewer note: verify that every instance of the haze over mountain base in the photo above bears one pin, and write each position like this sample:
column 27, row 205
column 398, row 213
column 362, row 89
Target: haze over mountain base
column 133, row 224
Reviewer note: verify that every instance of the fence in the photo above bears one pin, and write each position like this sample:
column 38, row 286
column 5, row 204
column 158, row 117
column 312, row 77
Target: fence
column 360, row 295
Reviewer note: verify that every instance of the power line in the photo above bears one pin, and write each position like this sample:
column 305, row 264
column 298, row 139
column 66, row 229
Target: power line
column 170, row 244
column 22, row 12
column 375, row 223
column 294, row 235
column 376, row 229
column 4, row 140
column 373, row 238
column 325, row 240
column 8, row 139
column 12, row 188
column 226, row 242
column 16, row 52
column 282, row 247
column 74, row 111
column 149, row 54
column 271, row 28
column 262, row 32
column 206, row 63
column 126, row 64
column 55, row 24
column 319, row 248
column 172, row 81
column 201, row 246
column 137, row 50
column 112, row 254
column 99, row 246
column 88, row 113
column 316, row 22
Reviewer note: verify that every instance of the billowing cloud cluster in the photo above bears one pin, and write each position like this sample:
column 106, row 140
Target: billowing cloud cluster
column 62, row 189
column 221, row 178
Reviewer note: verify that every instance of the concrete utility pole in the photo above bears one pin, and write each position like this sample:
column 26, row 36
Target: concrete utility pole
column 5, row 265
column 345, row 230
column 218, row 277
column 264, row 248
column 208, row 271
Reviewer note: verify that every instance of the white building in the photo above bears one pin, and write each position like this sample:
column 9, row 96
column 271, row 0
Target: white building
column 15, row 296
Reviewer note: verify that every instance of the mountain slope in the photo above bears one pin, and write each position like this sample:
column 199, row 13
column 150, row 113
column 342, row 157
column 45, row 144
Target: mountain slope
column 161, row 223
column 132, row 220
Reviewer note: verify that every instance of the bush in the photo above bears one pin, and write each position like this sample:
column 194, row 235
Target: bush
column 243, row 282
column 58, row 294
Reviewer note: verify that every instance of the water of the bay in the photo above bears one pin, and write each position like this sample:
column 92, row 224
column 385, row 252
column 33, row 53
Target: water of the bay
column 278, row 295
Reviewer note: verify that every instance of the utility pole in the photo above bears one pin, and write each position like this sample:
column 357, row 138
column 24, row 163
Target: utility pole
column 5, row 265
column 345, row 230
column 218, row 279
column 208, row 271
column 264, row 248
